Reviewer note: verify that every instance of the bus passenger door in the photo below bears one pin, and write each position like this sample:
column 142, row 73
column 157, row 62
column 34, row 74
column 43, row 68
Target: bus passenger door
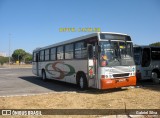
column 92, row 63
column 146, row 60
column 37, row 64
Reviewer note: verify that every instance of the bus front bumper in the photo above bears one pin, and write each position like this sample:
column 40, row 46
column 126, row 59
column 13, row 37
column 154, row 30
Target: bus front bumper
column 117, row 83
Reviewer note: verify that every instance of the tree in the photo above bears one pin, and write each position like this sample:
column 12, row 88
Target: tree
column 28, row 58
column 18, row 55
column 3, row 60
column 155, row 44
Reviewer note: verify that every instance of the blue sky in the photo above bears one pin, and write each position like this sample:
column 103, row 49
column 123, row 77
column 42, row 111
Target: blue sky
column 36, row 23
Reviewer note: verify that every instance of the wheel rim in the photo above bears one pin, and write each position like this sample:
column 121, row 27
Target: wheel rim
column 154, row 75
column 81, row 82
column 155, row 78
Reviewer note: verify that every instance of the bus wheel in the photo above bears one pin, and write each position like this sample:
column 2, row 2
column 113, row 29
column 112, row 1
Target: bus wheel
column 155, row 77
column 44, row 76
column 82, row 82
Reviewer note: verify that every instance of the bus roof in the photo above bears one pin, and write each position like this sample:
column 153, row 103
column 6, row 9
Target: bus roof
column 77, row 39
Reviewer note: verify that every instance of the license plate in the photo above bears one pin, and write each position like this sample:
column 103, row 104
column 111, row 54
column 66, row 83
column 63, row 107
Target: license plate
column 121, row 80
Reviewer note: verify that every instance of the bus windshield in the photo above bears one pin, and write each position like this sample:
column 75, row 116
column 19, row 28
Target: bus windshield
column 116, row 53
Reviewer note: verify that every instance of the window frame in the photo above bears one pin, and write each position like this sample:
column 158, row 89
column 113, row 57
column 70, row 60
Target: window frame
column 40, row 57
column 85, row 48
column 55, row 54
column 69, row 51
column 59, row 53
column 47, row 54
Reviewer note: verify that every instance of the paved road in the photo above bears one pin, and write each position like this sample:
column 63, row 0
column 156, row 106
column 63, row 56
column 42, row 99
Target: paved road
column 23, row 82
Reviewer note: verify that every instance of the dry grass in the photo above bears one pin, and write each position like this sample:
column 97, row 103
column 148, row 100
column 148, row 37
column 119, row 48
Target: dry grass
column 134, row 98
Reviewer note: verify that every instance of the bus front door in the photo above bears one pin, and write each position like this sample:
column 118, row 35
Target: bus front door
column 37, row 64
column 92, row 64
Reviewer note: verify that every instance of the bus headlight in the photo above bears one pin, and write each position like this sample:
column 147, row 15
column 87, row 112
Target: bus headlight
column 132, row 74
column 105, row 76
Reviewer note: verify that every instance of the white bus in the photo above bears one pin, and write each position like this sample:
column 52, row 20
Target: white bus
column 147, row 60
column 98, row 60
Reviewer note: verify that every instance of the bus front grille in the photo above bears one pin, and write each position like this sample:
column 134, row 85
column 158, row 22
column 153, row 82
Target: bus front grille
column 121, row 75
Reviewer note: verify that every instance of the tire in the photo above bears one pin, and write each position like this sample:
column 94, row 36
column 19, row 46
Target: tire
column 82, row 82
column 44, row 76
column 155, row 78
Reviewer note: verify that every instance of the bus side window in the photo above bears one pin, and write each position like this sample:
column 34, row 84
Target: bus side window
column 146, row 57
column 42, row 55
column 60, row 53
column 80, row 50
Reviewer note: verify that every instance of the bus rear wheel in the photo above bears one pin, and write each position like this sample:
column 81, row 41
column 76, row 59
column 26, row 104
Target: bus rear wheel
column 155, row 77
column 44, row 76
column 82, row 82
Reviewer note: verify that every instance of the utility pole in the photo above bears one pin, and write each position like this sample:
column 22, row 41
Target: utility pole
column 9, row 48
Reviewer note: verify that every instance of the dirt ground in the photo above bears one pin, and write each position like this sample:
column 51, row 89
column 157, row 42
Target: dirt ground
column 129, row 98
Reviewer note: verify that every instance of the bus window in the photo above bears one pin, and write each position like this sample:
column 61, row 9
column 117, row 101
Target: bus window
column 80, row 50
column 146, row 57
column 34, row 57
column 60, row 52
column 53, row 54
column 42, row 55
column 115, row 53
column 47, row 55
column 155, row 53
column 69, row 51
column 137, row 55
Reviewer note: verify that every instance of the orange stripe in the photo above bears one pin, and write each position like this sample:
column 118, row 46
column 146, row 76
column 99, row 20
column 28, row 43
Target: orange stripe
column 116, row 83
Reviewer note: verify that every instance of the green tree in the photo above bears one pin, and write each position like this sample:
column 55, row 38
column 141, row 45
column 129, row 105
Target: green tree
column 155, row 44
column 28, row 58
column 3, row 60
column 18, row 55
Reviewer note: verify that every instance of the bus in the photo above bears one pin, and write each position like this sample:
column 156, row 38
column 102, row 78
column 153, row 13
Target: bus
column 101, row 60
column 147, row 60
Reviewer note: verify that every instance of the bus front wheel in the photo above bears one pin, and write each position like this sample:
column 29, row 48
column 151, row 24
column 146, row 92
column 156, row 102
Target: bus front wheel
column 155, row 77
column 82, row 82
